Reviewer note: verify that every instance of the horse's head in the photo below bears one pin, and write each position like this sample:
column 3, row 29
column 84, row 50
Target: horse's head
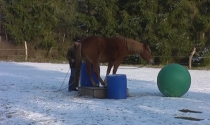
column 146, row 54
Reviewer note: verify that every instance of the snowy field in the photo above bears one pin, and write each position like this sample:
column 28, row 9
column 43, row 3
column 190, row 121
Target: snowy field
column 29, row 96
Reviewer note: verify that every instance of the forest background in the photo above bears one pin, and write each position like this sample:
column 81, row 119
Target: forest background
column 172, row 28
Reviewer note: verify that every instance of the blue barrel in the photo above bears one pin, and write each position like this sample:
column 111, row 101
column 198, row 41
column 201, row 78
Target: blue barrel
column 116, row 86
column 84, row 78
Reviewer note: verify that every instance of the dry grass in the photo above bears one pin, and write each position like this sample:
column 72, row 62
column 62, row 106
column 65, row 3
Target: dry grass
column 12, row 52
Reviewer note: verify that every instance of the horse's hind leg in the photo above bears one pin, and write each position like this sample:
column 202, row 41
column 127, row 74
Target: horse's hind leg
column 96, row 71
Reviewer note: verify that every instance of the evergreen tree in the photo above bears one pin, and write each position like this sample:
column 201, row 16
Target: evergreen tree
column 165, row 25
column 66, row 26
column 201, row 30
column 137, row 18
column 37, row 20
column 171, row 28
column 97, row 17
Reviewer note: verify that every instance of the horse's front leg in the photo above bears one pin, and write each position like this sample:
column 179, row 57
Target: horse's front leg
column 117, row 64
column 110, row 64
column 96, row 71
column 88, row 70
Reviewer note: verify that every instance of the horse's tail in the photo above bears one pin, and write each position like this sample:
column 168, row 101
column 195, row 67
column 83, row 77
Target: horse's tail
column 78, row 62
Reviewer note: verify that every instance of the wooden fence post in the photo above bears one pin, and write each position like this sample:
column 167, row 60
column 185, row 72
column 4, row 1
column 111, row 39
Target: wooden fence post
column 26, row 51
column 190, row 58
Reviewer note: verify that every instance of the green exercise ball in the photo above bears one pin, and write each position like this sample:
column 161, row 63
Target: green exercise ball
column 173, row 80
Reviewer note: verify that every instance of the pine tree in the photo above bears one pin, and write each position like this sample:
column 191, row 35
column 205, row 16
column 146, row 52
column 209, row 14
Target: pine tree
column 36, row 20
column 97, row 17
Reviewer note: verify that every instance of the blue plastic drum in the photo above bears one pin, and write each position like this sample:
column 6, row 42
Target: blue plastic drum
column 84, row 78
column 116, row 86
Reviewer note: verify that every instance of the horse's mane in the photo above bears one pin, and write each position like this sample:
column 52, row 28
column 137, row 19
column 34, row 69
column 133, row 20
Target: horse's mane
column 132, row 45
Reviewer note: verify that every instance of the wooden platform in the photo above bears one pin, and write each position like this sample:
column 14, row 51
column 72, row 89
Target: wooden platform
column 96, row 92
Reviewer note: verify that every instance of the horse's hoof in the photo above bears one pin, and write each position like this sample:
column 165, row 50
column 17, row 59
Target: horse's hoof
column 96, row 85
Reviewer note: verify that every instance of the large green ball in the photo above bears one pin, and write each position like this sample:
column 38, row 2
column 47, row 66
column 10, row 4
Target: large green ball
column 173, row 80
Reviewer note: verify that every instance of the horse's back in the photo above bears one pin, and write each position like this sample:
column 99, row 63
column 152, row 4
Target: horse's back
column 93, row 44
column 101, row 48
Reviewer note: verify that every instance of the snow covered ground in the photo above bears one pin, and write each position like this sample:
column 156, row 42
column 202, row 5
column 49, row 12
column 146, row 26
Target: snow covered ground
column 29, row 96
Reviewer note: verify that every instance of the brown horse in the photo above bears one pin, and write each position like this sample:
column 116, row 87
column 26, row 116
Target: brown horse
column 97, row 49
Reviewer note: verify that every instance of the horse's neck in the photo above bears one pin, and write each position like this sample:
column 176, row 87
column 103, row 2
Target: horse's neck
column 134, row 47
